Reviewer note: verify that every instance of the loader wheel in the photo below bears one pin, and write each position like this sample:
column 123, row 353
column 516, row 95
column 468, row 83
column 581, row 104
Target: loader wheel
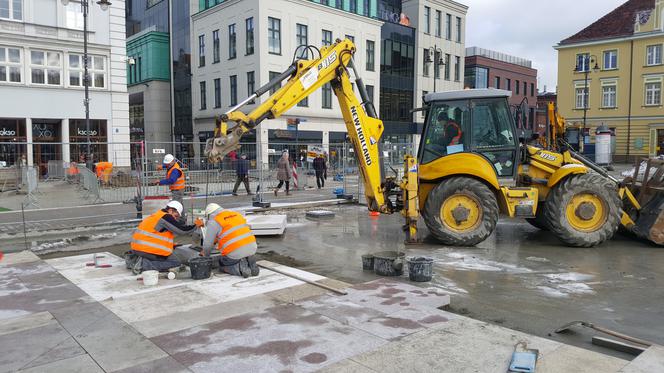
column 539, row 221
column 461, row 211
column 583, row 210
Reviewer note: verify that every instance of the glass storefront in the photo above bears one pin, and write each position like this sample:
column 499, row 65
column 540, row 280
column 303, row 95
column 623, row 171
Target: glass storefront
column 12, row 141
column 47, row 139
column 78, row 138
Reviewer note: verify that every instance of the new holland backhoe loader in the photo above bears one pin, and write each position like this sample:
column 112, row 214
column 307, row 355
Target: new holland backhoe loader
column 470, row 165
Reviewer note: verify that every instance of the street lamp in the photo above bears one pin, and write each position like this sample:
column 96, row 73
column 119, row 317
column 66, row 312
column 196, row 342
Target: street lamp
column 103, row 4
column 585, row 69
column 437, row 62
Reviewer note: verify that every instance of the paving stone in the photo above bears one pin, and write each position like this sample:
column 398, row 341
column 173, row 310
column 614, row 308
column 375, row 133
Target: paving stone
column 573, row 359
column 78, row 364
column 115, row 345
column 651, row 360
column 18, row 298
column 390, row 327
column 167, row 364
column 341, row 308
column 346, row 366
column 296, row 293
column 21, row 348
column 65, row 350
column 24, row 256
column 20, row 323
column 25, row 268
column 81, row 315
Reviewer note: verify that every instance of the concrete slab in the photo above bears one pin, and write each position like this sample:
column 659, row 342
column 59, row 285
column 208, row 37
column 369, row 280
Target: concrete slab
column 573, row 359
column 651, row 360
column 267, row 225
column 167, row 364
column 65, row 350
column 20, row 323
column 24, row 256
column 21, row 348
column 81, row 316
column 346, row 366
column 77, row 364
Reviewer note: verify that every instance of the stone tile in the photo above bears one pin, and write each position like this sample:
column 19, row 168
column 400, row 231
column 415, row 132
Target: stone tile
column 24, row 256
column 19, row 298
column 81, row 315
column 389, row 296
column 20, row 323
column 652, row 360
column 25, row 268
column 342, row 309
column 21, row 348
column 65, row 350
column 115, row 345
column 346, row 366
column 390, row 327
column 296, row 293
column 167, row 364
column 573, row 359
column 78, row 364
column 428, row 318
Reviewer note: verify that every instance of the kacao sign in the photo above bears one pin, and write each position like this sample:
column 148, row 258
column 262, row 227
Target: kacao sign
column 81, row 132
column 6, row 132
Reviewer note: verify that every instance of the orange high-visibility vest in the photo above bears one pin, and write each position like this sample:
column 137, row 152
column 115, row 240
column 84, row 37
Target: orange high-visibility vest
column 179, row 183
column 148, row 240
column 456, row 139
column 235, row 232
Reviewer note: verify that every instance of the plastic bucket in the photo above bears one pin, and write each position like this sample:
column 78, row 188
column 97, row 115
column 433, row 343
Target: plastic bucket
column 388, row 263
column 368, row 262
column 150, row 278
column 420, row 268
column 201, row 268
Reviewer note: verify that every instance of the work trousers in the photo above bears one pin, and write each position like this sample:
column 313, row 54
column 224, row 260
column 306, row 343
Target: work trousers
column 281, row 182
column 320, row 178
column 181, row 255
column 232, row 266
column 242, row 179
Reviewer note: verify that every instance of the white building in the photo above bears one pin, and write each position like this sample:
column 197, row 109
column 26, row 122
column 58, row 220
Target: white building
column 239, row 45
column 41, row 82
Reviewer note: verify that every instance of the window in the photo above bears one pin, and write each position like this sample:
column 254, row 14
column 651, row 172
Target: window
column 609, row 95
column 457, row 68
column 532, row 89
column 371, row 55
column 233, row 81
column 517, row 85
column 370, row 92
column 249, row 42
column 251, row 84
column 73, row 15
column 477, row 77
column 654, row 93
column 509, row 84
column 581, row 98
column 274, row 74
column 96, row 71
column 496, row 82
column 492, row 134
column 203, row 97
column 301, row 42
column 304, row 102
column 610, row 60
column 327, row 96
column 583, row 62
column 458, row 29
column 448, row 26
column 425, row 62
column 437, row 25
column 327, row 37
column 444, row 134
column 654, row 55
column 10, row 65
column 366, row 8
column 351, row 38
column 352, row 6
column 11, row 9
column 436, row 65
column 427, row 20
column 45, row 67
column 217, row 93
column 274, row 35
column 215, row 46
column 339, row 4
column 448, row 61
column 201, row 50
column 232, row 39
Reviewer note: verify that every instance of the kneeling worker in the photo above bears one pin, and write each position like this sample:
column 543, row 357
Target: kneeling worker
column 153, row 244
column 234, row 240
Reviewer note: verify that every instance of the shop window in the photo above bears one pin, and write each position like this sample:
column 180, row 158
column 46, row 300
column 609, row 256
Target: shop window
column 78, row 137
column 45, row 67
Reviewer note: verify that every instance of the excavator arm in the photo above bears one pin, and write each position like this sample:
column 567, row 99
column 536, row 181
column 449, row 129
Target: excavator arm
column 303, row 78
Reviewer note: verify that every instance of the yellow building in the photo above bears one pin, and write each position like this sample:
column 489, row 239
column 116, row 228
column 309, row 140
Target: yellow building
column 621, row 55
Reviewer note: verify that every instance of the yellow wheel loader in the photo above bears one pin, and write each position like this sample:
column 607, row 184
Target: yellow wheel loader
column 470, row 168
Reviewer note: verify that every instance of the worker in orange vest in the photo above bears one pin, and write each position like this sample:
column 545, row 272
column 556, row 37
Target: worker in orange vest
column 229, row 232
column 152, row 243
column 175, row 179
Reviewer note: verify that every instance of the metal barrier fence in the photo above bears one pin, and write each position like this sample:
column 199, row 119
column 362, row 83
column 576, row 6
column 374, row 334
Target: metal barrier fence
column 135, row 167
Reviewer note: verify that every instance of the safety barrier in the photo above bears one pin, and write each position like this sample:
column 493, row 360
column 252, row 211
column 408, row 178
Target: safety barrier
column 56, row 170
column 90, row 184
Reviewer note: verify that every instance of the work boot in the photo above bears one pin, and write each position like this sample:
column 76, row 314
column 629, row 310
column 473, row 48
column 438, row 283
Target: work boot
column 137, row 268
column 255, row 270
column 245, row 271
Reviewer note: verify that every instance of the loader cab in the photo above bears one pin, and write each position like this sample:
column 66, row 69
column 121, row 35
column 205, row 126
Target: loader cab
column 475, row 121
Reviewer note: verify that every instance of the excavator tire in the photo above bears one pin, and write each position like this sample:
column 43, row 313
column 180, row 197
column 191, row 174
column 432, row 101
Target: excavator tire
column 461, row 211
column 539, row 221
column 583, row 210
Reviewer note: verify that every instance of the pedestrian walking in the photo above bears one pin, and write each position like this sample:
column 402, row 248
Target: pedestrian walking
column 242, row 174
column 321, row 170
column 284, row 173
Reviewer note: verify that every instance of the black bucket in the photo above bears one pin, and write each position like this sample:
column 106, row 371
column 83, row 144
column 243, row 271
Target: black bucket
column 420, row 269
column 388, row 263
column 368, row 262
column 201, row 268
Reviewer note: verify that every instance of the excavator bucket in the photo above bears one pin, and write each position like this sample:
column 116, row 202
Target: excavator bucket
column 223, row 143
column 647, row 184
column 650, row 223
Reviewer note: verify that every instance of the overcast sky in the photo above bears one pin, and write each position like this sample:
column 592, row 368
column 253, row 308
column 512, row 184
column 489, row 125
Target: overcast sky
column 530, row 28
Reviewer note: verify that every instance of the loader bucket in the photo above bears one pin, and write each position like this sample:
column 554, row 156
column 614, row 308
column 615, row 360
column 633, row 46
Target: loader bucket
column 650, row 223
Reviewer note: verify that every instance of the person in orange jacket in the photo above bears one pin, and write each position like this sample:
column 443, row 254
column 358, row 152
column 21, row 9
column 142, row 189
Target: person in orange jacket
column 175, row 179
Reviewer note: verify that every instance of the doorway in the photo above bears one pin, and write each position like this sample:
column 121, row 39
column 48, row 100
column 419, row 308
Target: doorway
column 47, row 144
column 660, row 141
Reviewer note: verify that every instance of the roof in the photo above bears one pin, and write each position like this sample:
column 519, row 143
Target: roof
column 618, row 23
column 498, row 56
column 467, row 94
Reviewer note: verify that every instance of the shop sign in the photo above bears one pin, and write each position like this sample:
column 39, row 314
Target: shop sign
column 7, row 132
column 81, row 132
column 158, row 151
column 281, row 134
column 43, row 132
column 313, row 151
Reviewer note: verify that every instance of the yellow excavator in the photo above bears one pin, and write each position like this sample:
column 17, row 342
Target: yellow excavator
column 470, row 167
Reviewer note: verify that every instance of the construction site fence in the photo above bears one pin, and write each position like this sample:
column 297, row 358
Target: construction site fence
column 126, row 172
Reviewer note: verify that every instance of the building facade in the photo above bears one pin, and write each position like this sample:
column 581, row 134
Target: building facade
column 489, row 69
column 41, row 83
column 613, row 71
column 241, row 44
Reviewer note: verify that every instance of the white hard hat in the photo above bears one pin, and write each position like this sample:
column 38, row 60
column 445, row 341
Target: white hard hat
column 168, row 158
column 175, row 205
column 211, row 208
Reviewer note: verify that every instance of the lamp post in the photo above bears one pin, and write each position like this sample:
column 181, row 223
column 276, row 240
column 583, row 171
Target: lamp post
column 103, row 4
column 585, row 69
column 437, row 62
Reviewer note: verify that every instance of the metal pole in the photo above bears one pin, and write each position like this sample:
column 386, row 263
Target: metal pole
column 435, row 68
column 86, row 83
